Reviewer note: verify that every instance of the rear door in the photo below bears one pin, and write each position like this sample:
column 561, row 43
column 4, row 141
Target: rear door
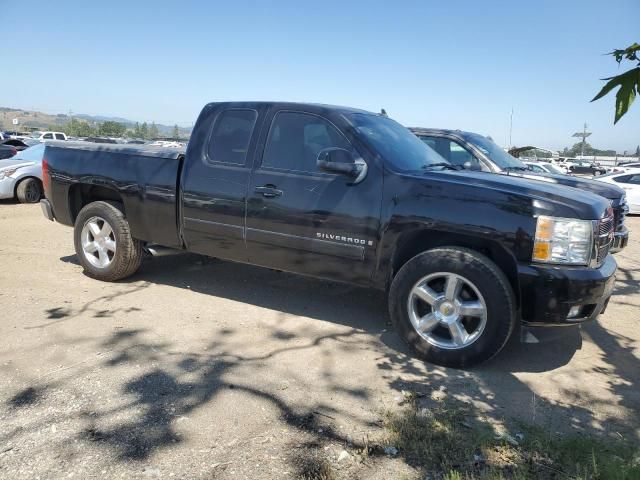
column 301, row 219
column 214, row 183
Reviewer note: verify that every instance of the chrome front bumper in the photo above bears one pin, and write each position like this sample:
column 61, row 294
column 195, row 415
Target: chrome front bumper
column 620, row 240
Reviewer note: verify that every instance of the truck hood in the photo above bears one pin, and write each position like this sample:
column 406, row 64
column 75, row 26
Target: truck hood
column 599, row 188
column 548, row 198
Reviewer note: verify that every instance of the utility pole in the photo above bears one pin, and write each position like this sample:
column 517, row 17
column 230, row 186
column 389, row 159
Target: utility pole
column 510, row 128
column 584, row 134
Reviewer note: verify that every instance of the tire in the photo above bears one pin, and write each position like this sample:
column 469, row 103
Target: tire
column 29, row 190
column 107, row 253
column 485, row 293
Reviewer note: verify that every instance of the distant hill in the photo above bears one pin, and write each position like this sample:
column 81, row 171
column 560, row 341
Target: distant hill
column 41, row 121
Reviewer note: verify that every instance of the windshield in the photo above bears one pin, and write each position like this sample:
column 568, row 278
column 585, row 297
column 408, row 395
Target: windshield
column 397, row 145
column 31, row 154
column 496, row 154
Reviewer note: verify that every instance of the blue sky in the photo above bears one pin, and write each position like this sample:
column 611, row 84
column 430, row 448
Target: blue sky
column 454, row 64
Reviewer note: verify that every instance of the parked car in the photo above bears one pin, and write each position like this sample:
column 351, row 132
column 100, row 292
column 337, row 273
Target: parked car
column 350, row 196
column 7, row 151
column 584, row 167
column 629, row 180
column 545, row 167
column 21, row 176
column 20, row 144
column 474, row 151
column 43, row 136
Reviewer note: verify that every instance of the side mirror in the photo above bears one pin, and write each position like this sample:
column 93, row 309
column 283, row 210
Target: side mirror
column 341, row 161
column 471, row 166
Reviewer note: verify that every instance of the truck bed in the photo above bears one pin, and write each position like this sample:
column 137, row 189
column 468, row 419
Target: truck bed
column 145, row 178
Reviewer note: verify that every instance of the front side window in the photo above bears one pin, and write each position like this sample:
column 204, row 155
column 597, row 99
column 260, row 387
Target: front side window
column 296, row 139
column 48, row 136
column 231, row 135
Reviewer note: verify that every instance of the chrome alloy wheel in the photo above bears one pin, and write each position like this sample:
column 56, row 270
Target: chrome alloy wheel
column 447, row 310
column 98, row 242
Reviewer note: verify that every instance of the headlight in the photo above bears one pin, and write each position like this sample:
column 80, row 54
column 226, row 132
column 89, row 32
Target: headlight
column 7, row 172
column 563, row 240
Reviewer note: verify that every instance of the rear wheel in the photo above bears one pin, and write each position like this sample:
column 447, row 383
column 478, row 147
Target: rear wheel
column 29, row 190
column 454, row 306
column 103, row 242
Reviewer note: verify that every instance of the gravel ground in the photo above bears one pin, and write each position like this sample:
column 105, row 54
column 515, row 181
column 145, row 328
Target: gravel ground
column 198, row 368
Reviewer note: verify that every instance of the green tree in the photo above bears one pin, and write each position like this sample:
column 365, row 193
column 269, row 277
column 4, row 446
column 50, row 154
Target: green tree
column 153, row 131
column 112, row 129
column 136, row 131
column 638, row 151
column 144, row 131
column 78, row 128
column 629, row 81
column 176, row 132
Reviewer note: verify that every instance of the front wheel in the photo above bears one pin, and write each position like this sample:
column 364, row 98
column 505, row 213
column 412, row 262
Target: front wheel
column 454, row 306
column 104, row 244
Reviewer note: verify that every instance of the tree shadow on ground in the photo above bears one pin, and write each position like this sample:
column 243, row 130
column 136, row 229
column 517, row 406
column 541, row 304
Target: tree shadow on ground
column 179, row 382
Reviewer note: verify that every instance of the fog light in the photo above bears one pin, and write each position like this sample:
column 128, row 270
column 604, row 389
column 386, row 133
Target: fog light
column 574, row 312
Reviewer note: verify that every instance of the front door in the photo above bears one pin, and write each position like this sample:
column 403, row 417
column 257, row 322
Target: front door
column 303, row 220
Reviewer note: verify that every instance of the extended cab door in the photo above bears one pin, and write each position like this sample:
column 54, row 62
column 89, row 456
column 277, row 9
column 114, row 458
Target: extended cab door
column 301, row 219
column 214, row 182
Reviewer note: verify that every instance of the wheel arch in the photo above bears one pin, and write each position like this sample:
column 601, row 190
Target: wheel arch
column 414, row 242
column 82, row 194
column 22, row 179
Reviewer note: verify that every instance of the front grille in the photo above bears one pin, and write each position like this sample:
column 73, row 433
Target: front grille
column 604, row 238
column 619, row 214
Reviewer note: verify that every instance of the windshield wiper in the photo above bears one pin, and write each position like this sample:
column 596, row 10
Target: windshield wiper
column 443, row 164
column 517, row 169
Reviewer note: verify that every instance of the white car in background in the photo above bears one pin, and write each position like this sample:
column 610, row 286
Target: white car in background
column 21, row 175
column 546, row 167
column 630, row 181
column 43, row 136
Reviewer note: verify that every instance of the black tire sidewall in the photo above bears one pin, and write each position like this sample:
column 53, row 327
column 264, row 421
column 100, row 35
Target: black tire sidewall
column 24, row 185
column 487, row 278
column 113, row 216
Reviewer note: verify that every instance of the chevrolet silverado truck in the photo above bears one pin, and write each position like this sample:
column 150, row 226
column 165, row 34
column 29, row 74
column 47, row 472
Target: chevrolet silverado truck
column 474, row 151
column 351, row 196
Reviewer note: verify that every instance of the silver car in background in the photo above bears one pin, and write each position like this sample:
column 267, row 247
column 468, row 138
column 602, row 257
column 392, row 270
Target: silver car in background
column 21, row 175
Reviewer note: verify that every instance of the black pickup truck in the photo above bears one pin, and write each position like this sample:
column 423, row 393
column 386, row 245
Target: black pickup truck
column 352, row 196
column 476, row 152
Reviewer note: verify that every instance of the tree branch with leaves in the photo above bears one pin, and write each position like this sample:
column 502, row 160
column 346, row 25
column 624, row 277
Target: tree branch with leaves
column 629, row 81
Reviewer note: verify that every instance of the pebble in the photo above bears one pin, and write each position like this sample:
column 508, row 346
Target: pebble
column 344, row 455
column 391, row 450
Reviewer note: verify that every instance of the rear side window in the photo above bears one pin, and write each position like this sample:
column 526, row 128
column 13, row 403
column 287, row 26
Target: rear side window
column 231, row 135
column 59, row 136
column 296, row 139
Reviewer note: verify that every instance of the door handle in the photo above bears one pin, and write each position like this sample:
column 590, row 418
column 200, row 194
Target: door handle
column 269, row 191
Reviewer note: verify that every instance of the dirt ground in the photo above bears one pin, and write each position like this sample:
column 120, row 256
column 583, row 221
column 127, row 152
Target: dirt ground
column 199, row 368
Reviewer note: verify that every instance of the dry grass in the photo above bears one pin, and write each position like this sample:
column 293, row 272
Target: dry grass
column 448, row 442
